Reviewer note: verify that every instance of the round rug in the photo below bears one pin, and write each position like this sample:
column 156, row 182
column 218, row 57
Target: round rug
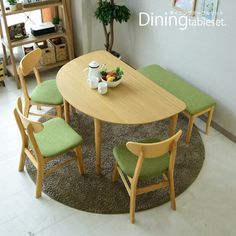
column 98, row 194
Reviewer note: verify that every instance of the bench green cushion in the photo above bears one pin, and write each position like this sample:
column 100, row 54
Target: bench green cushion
column 152, row 167
column 195, row 100
column 47, row 93
column 57, row 138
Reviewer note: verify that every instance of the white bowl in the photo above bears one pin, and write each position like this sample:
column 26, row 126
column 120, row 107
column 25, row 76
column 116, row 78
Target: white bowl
column 112, row 84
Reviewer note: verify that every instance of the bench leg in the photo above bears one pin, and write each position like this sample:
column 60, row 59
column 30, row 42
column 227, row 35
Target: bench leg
column 208, row 125
column 190, row 128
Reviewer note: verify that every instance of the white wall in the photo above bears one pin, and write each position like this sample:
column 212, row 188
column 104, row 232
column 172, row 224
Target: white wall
column 206, row 57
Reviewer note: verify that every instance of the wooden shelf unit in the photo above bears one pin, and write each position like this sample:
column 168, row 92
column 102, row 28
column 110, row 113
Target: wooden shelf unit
column 8, row 45
column 32, row 39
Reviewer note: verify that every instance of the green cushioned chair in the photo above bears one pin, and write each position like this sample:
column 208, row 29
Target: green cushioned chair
column 44, row 142
column 45, row 93
column 144, row 160
column 56, row 138
column 197, row 102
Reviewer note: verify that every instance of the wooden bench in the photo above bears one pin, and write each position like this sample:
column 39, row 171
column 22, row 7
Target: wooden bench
column 197, row 102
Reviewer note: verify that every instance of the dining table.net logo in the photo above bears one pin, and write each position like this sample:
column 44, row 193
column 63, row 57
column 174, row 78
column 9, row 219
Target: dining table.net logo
column 183, row 22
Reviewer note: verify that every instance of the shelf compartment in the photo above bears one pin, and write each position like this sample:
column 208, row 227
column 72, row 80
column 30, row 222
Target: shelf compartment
column 33, row 39
column 33, row 8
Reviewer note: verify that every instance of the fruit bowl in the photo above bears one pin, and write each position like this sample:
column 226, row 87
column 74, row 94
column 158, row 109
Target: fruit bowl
column 112, row 84
column 112, row 78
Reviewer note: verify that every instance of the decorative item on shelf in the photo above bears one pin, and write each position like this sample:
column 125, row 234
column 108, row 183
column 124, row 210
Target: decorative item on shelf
column 58, row 24
column 43, row 28
column 12, row 4
column 19, row 6
column 112, row 78
column 27, row 49
column 48, row 52
column 17, row 31
column 185, row 6
column 60, row 48
column 107, row 13
column 209, row 9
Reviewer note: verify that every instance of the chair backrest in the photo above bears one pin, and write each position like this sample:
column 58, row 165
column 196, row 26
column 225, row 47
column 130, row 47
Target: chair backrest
column 27, row 128
column 152, row 150
column 27, row 65
column 30, row 61
column 24, row 120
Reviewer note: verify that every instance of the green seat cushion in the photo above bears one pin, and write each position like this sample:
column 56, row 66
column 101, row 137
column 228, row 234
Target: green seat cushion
column 195, row 100
column 56, row 138
column 152, row 167
column 47, row 93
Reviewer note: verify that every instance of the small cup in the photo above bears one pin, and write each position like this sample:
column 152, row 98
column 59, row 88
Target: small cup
column 102, row 87
column 93, row 82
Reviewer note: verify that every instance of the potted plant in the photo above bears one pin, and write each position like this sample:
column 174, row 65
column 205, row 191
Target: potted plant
column 108, row 12
column 12, row 4
column 57, row 22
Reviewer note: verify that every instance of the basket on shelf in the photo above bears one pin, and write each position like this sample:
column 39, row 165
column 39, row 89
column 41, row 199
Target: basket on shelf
column 48, row 52
column 2, row 72
column 60, row 48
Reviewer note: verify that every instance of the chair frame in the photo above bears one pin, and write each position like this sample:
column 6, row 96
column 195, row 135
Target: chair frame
column 28, row 65
column 27, row 129
column 147, row 150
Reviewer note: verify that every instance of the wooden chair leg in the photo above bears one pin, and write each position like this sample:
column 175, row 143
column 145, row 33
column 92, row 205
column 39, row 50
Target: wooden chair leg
column 208, row 125
column 190, row 128
column 115, row 173
column 39, row 180
column 27, row 108
column 79, row 160
column 22, row 159
column 59, row 111
column 172, row 191
column 132, row 203
column 67, row 111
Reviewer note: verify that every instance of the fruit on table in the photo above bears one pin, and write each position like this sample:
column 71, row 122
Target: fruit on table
column 111, row 73
column 110, row 79
column 111, row 76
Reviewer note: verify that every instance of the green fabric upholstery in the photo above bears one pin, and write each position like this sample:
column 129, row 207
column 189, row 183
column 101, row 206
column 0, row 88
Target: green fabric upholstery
column 152, row 167
column 56, row 138
column 47, row 93
column 195, row 100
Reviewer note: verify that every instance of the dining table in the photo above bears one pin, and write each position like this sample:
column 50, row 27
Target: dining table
column 136, row 100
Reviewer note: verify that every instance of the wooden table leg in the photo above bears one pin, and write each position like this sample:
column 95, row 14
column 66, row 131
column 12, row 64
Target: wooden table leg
column 67, row 111
column 173, row 125
column 97, row 133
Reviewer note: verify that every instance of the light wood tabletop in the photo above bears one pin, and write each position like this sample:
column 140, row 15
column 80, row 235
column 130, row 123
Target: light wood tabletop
column 137, row 100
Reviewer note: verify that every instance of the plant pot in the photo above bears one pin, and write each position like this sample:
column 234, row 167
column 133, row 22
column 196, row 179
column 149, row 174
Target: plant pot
column 13, row 7
column 116, row 54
